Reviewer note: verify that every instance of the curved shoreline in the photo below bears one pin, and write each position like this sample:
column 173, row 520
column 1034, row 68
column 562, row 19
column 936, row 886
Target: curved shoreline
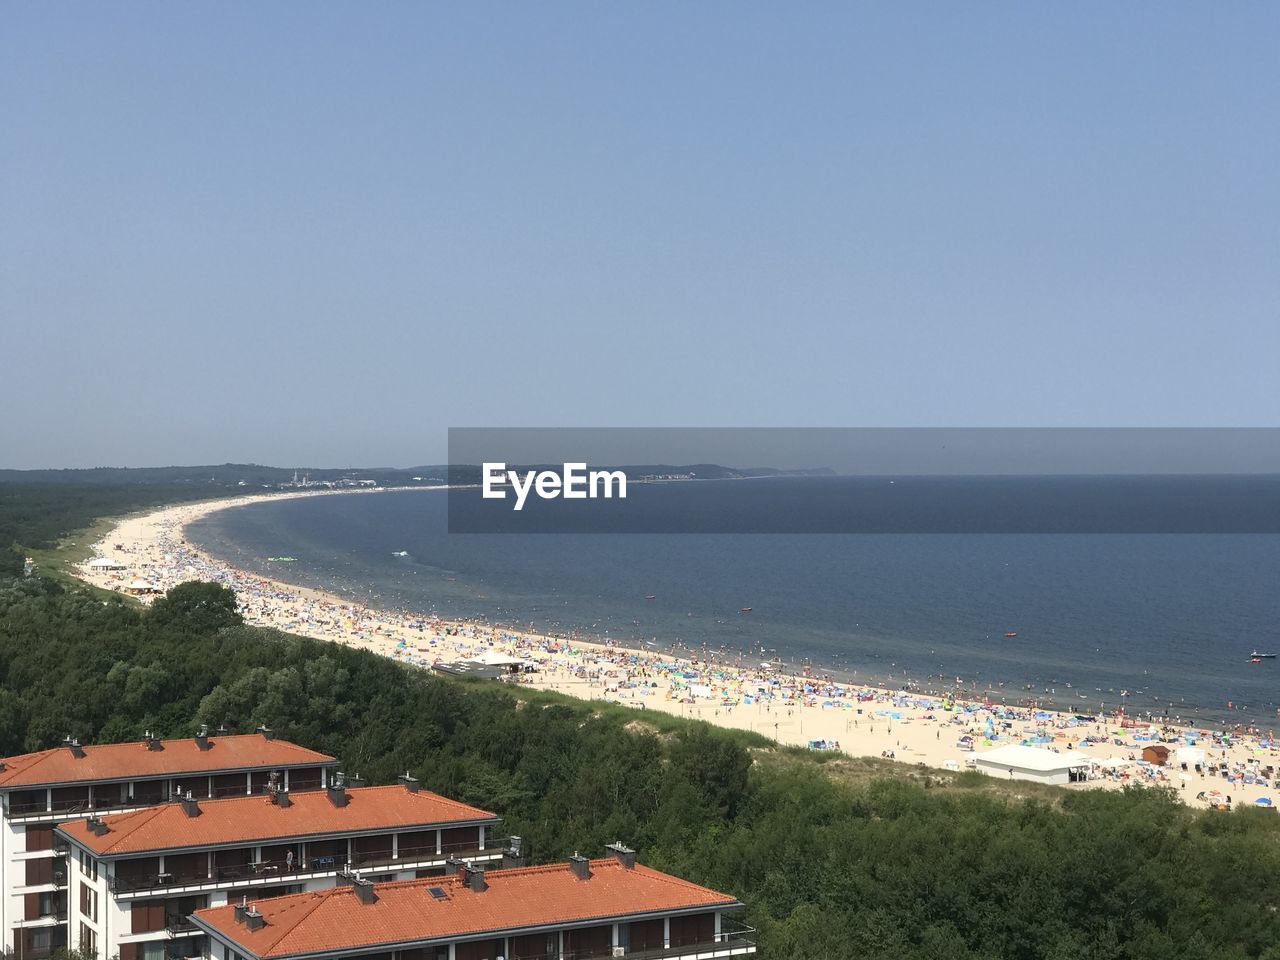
column 862, row 720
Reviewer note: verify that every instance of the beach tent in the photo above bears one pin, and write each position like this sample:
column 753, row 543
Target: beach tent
column 1190, row 756
column 1033, row 763
column 102, row 563
column 494, row 658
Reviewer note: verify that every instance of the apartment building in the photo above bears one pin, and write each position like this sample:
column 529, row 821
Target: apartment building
column 134, row 879
column 40, row 790
column 583, row 909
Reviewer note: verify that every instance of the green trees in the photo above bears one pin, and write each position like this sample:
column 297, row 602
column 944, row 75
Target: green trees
column 888, row 869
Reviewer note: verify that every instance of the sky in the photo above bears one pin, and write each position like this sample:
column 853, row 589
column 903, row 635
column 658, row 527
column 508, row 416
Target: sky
column 324, row 233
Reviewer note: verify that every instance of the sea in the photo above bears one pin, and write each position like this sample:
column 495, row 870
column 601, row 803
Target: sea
column 1160, row 624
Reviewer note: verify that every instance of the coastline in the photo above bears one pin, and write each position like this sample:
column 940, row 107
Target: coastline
column 853, row 718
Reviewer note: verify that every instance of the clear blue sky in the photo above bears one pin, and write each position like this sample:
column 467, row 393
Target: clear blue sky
column 321, row 233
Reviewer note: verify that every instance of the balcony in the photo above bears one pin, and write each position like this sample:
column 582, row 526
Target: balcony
column 72, row 809
column 271, row 870
column 727, row 943
column 179, row 924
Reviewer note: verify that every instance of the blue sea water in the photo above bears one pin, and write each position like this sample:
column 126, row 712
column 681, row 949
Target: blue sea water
column 1171, row 618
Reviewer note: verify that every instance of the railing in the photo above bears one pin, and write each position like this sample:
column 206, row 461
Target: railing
column 465, row 850
column 272, row 869
column 178, row 923
column 75, row 808
column 84, row 806
column 735, row 939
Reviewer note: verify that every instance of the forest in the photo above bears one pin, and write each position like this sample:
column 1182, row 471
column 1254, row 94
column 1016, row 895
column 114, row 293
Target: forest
column 833, row 859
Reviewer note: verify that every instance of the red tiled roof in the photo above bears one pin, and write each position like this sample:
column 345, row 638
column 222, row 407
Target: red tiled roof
column 250, row 819
column 406, row 912
column 127, row 761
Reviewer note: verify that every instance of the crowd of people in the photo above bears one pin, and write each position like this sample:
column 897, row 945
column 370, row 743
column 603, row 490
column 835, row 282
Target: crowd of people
column 939, row 729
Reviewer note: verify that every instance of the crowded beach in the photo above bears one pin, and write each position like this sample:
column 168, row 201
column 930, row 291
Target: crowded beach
column 1220, row 767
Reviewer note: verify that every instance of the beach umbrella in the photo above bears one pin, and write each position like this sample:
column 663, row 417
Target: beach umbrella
column 1263, row 801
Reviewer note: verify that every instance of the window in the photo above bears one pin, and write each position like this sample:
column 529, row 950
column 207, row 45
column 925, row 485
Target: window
column 89, row 865
column 88, row 901
column 48, row 904
column 88, row 940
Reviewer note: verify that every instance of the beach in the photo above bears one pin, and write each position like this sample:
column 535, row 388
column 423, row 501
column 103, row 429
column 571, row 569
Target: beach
column 149, row 553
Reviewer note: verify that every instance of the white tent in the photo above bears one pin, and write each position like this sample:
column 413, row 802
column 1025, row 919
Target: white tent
column 494, row 658
column 102, row 563
column 1190, row 756
column 1032, row 763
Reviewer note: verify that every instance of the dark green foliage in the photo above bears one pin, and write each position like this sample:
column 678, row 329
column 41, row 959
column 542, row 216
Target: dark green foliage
column 889, row 870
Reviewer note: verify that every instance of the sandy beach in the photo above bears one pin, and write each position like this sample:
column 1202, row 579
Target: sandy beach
column 149, row 553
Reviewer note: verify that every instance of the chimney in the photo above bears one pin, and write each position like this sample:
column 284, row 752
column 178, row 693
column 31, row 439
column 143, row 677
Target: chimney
column 241, row 909
column 253, row 919
column 97, row 826
column 73, row 744
column 190, row 806
column 474, row 878
column 409, row 782
column 152, row 742
column 455, row 866
column 202, row 737
column 624, row 854
column 365, row 892
column 580, row 866
column 356, row 782
column 337, row 794
column 267, row 733
column 511, row 858
column 279, row 797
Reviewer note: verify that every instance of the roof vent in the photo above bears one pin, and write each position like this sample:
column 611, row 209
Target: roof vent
column 474, row 878
column 267, row 733
column 152, row 742
column 580, row 866
column 73, row 744
column 202, row 737
column 409, row 782
column 253, row 919
column 624, row 854
column 190, row 806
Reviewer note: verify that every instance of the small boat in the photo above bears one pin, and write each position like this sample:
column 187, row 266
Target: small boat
column 651, row 596
column 281, row 559
column 400, row 553
column 1011, row 634
column 1262, row 656
column 1255, row 659
column 744, row 610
